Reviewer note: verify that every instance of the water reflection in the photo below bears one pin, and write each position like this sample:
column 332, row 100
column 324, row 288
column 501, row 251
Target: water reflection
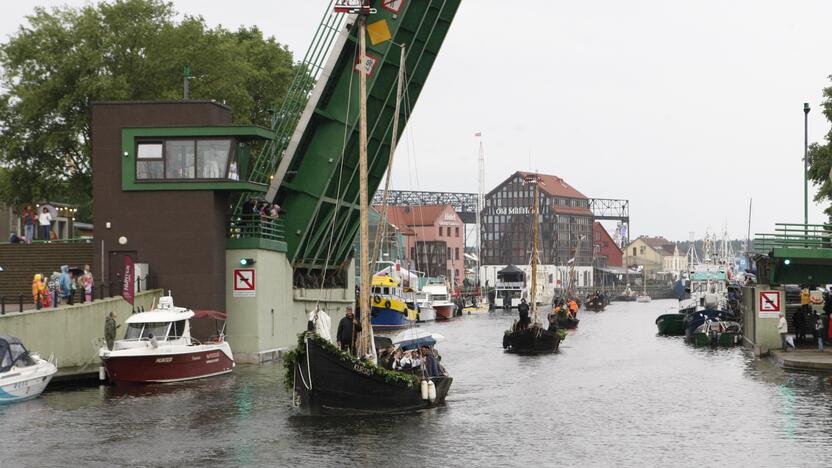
column 616, row 394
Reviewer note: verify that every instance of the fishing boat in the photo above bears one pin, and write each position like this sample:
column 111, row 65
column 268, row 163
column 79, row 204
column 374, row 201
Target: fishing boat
column 672, row 324
column 23, row 375
column 533, row 338
column 595, row 303
column 389, row 308
column 712, row 327
column 326, row 379
column 422, row 305
column 439, row 298
column 158, row 347
column 643, row 297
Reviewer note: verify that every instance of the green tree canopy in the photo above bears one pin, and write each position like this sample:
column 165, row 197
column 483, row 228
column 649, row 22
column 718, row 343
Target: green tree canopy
column 65, row 59
column 820, row 158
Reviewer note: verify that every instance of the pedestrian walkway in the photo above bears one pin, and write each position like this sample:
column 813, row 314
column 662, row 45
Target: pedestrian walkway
column 806, row 359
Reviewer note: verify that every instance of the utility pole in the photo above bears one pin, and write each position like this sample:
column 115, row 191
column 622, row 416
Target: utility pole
column 806, row 166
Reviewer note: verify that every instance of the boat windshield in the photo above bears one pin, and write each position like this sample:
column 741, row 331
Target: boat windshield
column 440, row 297
column 140, row 331
column 14, row 355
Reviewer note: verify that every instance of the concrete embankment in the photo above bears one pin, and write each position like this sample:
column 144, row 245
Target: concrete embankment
column 803, row 359
column 73, row 334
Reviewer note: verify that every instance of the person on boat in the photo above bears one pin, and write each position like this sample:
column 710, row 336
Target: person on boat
column 431, row 364
column 386, row 357
column 783, row 329
column 523, row 310
column 573, row 307
column 553, row 322
column 347, row 333
column 110, row 327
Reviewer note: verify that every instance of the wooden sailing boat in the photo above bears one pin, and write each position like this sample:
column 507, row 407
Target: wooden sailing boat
column 532, row 338
column 328, row 379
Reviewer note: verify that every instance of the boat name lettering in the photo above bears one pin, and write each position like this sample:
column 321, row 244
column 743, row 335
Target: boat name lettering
column 211, row 361
column 361, row 369
column 514, row 210
column 196, row 358
column 162, row 360
column 212, row 355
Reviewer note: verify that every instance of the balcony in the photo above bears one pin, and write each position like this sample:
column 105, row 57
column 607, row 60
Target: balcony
column 255, row 231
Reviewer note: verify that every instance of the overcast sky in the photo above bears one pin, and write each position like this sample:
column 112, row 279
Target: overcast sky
column 686, row 108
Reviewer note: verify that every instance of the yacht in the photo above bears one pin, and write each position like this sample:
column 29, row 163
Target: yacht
column 23, row 375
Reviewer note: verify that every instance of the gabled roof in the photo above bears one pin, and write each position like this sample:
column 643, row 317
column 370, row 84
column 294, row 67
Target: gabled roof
column 659, row 244
column 408, row 216
column 554, row 185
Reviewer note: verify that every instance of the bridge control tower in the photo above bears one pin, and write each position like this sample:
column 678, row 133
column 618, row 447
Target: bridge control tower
column 177, row 184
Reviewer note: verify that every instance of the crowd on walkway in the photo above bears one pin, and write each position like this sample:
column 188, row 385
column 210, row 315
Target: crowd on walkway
column 61, row 287
column 807, row 321
column 33, row 222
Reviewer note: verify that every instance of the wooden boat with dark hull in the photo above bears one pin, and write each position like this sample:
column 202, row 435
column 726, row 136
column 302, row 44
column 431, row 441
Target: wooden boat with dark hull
column 569, row 323
column 531, row 340
column 327, row 380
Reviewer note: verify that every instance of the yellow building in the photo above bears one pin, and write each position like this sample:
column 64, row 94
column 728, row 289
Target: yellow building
column 654, row 255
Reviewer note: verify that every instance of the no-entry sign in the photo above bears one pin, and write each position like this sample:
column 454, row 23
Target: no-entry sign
column 244, row 282
column 769, row 304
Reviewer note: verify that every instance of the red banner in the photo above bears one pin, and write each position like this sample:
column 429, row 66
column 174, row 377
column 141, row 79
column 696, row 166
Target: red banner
column 128, row 288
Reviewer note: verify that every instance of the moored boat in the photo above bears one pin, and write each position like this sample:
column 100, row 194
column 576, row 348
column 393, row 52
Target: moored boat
column 23, row 375
column 671, row 324
column 158, row 347
column 439, row 299
column 388, row 306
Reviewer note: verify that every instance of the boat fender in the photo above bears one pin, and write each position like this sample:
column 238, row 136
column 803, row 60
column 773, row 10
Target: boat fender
column 377, row 299
column 431, row 391
column 386, row 304
column 425, row 393
column 102, row 374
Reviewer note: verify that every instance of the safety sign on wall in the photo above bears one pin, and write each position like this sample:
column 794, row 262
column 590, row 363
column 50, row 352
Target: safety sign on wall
column 393, row 5
column 369, row 66
column 244, row 282
column 769, row 304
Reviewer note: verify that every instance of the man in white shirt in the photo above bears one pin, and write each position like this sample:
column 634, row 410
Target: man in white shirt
column 783, row 329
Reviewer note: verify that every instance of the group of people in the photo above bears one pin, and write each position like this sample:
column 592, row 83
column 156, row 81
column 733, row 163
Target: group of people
column 806, row 321
column 424, row 360
column 61, row 287
column 565, row 309
column 32, row 221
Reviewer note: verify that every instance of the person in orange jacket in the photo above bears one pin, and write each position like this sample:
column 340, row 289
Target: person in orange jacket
column 38, row 291
column 573, row 307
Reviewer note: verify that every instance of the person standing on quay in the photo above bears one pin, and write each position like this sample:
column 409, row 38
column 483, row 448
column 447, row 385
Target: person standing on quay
column 110, row 327
column 348, row 329
column 782, row 328
column 45, row 221
column 819, row 331
column 29, row 224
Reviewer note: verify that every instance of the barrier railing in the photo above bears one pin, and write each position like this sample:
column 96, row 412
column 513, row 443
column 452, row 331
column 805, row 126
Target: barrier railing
column 22, row 303
column 797, row 236
column 255, row 226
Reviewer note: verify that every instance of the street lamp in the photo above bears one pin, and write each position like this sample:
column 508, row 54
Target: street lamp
column 806, row 165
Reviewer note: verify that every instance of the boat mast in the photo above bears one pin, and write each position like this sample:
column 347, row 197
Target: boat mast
column 364, row 294
column 532, row 179
column 481, row 188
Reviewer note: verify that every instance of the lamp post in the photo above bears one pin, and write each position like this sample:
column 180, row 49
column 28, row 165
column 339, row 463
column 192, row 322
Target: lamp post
column 806, row 166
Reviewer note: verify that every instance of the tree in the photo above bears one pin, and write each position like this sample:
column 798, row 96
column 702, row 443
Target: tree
column 65, row 59
column 820, row 158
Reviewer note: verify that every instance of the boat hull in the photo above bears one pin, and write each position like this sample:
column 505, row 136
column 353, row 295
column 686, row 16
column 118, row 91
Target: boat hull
column 671, row 324
column 163, row 368
column 329, row 383
column 722, row 339
column 532, row 340
column 26, row 384
column 444, row 312
column 595, row 306
column 426, row 314
column 383, row 318
column 568, row 324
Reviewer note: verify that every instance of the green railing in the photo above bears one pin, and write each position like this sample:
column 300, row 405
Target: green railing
column 255, row 226
column 794, row 236
column 71, row 240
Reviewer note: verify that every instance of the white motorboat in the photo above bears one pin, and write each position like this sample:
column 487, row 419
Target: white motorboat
column 158, row 347
column 23, row 375
column 439, row 298
column 423, row 304
column 643, row 298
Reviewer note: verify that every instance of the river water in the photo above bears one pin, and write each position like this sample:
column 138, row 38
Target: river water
column 616, row 394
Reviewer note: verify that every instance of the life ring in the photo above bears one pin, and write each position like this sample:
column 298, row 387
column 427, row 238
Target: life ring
column 387, row 304
column 377, row 299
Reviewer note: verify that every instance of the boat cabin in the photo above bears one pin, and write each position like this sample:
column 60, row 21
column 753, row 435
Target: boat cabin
column 511, row 282
column 166, row 324
column 13, row 354
column 386, row 288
